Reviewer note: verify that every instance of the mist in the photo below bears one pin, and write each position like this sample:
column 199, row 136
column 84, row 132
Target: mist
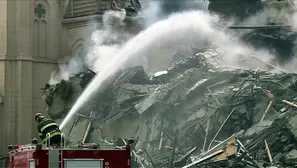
column 282, row 13
column 161, row 9
column 66, row 69
column 161, row 41
column 276, row 12
column 107, row 42
column 166, row 37
column 174, row 6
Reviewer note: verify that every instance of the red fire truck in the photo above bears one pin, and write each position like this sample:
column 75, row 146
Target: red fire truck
column 83, row 156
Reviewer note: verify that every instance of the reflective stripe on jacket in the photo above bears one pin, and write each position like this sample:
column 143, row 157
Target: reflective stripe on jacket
column 51, row 135
column 48, row 126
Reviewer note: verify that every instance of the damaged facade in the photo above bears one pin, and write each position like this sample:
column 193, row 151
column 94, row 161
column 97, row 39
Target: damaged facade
column 179, row 116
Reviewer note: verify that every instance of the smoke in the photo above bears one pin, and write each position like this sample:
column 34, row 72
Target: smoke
column 177, row 33
column 293, row 17
column 66, row 70
column 105, row 44
column 161, row 9
column 280, row 13
column 276, row 12
column 174, row 6
column 108, row 41
column 152, row 13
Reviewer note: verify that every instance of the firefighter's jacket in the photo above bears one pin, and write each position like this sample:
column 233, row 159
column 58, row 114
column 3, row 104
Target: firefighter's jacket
column 48, row 126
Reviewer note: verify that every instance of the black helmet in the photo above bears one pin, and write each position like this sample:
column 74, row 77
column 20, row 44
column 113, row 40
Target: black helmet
column 38, row 116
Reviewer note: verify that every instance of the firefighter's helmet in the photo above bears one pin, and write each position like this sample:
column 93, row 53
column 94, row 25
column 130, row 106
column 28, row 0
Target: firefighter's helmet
column 38, row 117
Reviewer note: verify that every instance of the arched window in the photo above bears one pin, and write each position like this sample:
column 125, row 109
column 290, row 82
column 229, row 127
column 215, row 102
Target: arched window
column 40, row 11
column 80, row 53
column 40, row 28
column 78, row 49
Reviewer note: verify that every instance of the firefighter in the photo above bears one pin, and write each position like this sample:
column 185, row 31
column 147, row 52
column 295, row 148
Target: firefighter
column 48, row 130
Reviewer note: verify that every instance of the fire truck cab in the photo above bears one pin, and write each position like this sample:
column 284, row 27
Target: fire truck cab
column 82, row 156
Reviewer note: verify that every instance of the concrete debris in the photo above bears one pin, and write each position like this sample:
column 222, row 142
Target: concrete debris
column 291, row 158
column 195, row 113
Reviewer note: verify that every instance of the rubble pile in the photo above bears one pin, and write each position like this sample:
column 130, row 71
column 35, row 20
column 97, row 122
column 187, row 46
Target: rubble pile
column 195, row 113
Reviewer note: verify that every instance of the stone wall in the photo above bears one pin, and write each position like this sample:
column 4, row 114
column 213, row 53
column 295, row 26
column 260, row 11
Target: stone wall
column 30, row 32
column 2, row 117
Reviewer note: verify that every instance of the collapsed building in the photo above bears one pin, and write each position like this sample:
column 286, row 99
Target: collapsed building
column 186, row 115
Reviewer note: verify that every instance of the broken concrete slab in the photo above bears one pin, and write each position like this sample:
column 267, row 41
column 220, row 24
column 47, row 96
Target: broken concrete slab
column 291, row 158
column 147, row 103
column 258, row 127
column 292, row 125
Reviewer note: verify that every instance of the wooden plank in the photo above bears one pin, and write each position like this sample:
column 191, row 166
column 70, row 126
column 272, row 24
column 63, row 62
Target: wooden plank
column 230, row 150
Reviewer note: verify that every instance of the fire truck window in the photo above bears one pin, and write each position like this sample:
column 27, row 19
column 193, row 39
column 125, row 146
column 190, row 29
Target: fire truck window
column 77, row 163
column 32, row 164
